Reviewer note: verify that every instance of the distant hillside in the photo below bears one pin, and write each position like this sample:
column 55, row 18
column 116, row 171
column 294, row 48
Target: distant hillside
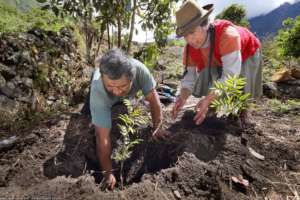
column 270, row 23
column 21, row 5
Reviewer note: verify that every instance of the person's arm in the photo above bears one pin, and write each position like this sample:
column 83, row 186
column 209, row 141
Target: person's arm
column 180, row 101
column 101, row 118
column 156, row 111
column 232, row 65
column 230, row 49
column 103, row 144
column 147, row 85
column 187, row 83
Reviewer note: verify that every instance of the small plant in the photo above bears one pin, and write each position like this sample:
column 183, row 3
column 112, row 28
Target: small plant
column 278, row 106
column 128, row 125
column 148, row 54
column 231, row 98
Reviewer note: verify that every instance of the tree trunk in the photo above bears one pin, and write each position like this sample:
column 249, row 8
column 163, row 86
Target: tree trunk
column 112, row 37
column 87, row 41
column 132, row 25
column 121, row 175
column 108, row 36
column 100, row 40
column 119, row 30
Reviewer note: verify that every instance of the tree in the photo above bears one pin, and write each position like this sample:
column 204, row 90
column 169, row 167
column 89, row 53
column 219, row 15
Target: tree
column 288, row 38
column 83, row 11
column 97, row 17
column 236, row 14
column 157, row 16
column 115, row 13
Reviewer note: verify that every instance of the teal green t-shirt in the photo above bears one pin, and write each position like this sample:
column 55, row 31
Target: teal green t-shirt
column 101, row 102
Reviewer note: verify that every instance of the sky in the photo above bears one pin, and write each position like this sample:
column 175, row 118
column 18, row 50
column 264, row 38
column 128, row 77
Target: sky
column 253, row 8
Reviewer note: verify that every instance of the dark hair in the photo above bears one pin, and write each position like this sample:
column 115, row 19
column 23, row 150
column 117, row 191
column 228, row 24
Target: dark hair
column 115, row 63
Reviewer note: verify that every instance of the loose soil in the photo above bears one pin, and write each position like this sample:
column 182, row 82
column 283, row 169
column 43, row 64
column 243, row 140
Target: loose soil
column 57, row 159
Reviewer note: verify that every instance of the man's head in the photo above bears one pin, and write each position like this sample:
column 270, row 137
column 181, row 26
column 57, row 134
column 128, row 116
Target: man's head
column 192, row 22
column 117, row 72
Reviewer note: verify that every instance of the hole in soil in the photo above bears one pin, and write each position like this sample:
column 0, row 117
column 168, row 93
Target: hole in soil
column 78, row 155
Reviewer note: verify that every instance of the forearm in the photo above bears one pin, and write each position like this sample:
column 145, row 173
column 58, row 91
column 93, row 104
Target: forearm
column 188, row 81
column 156, row 114
column 155, row 108
column 104, row 151
column 211, row 96
column 184, row 93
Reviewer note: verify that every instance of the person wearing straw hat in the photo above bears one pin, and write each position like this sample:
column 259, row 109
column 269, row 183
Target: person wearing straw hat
column 214, row 50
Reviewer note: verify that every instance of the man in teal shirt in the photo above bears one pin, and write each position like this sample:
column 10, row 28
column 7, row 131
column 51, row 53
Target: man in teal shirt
column 119, row 76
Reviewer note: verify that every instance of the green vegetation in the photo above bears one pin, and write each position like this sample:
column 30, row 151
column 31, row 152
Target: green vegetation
column 281, row 51
column 273, row 61
column 288, row 38
column 231, row 98
column 279, row 106
column 21, row 5
column 236, row 14
column 149, row 55
column 177, row 42
column 97, row 17
column 13, row 20
column 129, row 122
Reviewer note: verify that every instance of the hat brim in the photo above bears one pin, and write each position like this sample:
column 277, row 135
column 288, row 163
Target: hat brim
column 181, row 31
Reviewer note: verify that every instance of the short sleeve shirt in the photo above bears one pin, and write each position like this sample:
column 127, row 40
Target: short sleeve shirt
column 101, row 102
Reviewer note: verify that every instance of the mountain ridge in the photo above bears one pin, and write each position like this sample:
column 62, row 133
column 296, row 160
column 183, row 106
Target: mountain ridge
column 268, row 24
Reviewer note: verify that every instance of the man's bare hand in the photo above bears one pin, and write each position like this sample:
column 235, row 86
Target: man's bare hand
column 110, row 181
column 158, row 133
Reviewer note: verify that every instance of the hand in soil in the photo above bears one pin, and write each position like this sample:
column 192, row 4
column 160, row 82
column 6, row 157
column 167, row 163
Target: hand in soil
column 110, row 181
column 158, row 133
column 201, row 109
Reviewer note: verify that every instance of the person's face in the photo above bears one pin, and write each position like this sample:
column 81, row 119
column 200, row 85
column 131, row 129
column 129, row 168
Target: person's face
column 119, row 87
column 196, row 37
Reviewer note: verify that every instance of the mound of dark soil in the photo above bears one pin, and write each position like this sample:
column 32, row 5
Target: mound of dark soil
column 197, row 162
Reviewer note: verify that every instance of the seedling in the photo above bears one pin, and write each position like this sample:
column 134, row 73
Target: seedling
column 129, row 139
column 231, row 98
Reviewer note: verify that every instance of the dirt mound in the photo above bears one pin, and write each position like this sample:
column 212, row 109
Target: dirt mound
column 198, row 162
